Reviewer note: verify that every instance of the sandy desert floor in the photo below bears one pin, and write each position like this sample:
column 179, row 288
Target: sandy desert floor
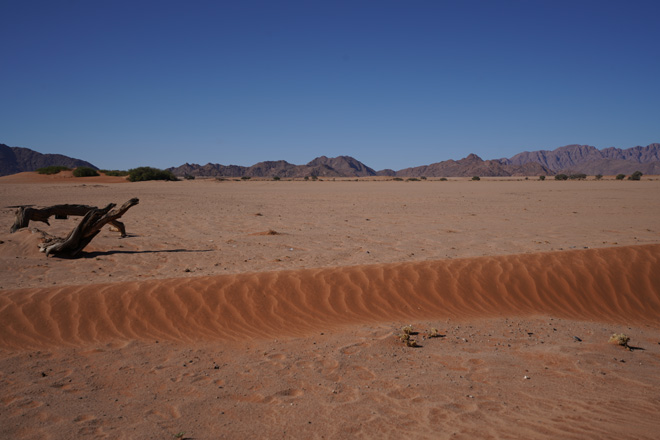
column 268, row 309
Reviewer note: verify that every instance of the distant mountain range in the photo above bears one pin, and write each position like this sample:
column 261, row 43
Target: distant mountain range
column 16, row 160
column 569, row 159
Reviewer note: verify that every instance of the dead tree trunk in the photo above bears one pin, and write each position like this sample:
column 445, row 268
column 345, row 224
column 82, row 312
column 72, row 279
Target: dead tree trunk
column 26, row 214
column 87, row 229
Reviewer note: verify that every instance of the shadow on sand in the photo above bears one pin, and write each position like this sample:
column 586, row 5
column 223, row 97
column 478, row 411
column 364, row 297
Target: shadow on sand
column 106, row 253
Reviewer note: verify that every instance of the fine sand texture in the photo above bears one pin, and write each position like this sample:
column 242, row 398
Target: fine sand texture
column 267, row 309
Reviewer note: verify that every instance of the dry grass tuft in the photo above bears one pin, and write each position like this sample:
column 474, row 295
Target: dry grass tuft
column 407, row 329
column 433, row 333
column 620, row 339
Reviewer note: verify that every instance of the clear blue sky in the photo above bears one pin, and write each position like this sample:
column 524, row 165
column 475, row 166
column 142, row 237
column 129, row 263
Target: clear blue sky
column 392, row 83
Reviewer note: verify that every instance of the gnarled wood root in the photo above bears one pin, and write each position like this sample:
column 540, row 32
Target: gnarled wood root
column 86, row 230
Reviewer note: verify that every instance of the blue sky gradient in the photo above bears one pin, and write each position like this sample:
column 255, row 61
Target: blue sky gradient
column 392, row 83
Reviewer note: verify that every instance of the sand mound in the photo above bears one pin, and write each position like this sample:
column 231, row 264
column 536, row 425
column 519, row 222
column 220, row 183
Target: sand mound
column 61, row 177
column 615, row 284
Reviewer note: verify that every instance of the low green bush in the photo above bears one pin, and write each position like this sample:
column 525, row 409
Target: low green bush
column 620, row 176
column 541, row 177
column 476, row 178
column 142, row 174
column 577, row 176
column 561, row 177
column 637, row 175
column 85, row 172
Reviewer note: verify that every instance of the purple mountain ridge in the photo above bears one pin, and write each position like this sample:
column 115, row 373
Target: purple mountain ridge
column 568, row 159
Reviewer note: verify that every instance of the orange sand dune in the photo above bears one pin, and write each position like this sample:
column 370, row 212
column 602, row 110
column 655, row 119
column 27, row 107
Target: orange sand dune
column 612, row 284
column 61, row 177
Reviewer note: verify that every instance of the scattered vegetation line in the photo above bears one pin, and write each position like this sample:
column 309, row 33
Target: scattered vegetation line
column 148, row 173
column 85, row 172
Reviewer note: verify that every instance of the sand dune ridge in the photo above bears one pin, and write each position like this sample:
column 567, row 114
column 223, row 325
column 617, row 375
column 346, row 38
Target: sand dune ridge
column 613, row 284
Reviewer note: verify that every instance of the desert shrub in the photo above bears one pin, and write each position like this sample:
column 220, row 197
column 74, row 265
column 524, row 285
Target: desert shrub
column 276, row 177
column 423, row 177
column 561, row 177
column 398, row 179
column 620, row 339
column 116, row 173
column 53, row 169
column 476, row 178
column 598, row 176
column 85, row 172
column 189, row 177
column 246, row 178
column 620, row 176
column 541, row 177
column 637, row 175
column 443, row 179
column 407, row 329
column 142, row 174
column 412, row 179
column 577, row 176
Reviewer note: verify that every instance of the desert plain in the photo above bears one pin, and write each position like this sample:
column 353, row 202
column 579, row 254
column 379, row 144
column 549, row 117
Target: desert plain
column 272, row 309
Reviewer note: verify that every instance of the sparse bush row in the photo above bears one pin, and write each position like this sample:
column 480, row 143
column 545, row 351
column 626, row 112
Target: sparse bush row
column 85, row 172
column 142, row 174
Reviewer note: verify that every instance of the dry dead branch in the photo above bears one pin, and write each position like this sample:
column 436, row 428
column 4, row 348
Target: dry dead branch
column 91, row 224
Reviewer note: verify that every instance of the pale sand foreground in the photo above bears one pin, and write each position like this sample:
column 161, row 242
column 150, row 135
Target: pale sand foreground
column 292, row 335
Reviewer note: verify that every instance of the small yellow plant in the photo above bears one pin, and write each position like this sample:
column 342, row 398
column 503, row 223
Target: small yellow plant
column 411, row 343
column 407, row 329
column 404, row 337
column 620, row 339
column 433, row 333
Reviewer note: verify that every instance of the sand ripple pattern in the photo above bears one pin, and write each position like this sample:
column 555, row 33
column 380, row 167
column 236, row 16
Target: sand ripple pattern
column 614, row 284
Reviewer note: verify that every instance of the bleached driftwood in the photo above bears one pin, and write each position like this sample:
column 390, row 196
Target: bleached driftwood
column 94, row 219
column 25, row 214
